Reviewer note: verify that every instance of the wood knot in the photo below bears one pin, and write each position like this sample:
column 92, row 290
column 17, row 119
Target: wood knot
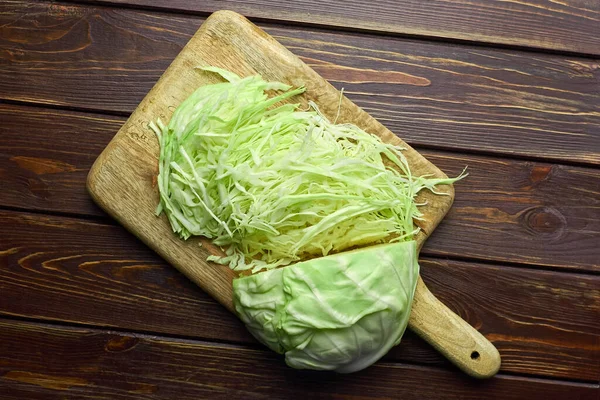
column 540, row 173
column 117, row 344
column 39, row 188
column 543, row 221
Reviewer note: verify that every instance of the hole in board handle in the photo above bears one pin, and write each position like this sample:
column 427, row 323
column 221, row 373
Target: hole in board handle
column 475, row 355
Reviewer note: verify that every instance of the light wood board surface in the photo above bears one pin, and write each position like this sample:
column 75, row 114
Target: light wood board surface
column 122, row 180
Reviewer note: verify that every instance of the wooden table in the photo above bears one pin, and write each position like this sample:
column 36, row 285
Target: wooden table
column 511, row 89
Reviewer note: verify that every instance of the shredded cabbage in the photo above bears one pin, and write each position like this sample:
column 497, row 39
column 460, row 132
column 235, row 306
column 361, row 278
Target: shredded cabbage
column 272, row 184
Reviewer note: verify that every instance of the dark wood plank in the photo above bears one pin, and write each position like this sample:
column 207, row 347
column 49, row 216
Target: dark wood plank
column 111, row 278
column 543, row 323
column 526, row 212
column 39, row 361
column 430, row 94
column 46, row 155
column 572, row 25
column 523, row 312
column 506, row 210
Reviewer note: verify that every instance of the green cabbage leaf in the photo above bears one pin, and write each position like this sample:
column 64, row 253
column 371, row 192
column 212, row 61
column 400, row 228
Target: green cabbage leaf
column 341, row 312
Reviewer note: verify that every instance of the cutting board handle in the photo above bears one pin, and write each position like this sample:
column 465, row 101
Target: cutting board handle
column 452, row 336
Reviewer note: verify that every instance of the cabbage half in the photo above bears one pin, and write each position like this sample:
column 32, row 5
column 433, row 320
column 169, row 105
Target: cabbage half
column 341, row 312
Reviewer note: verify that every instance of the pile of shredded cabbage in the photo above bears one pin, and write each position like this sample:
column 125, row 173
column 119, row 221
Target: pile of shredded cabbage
column 272, row 185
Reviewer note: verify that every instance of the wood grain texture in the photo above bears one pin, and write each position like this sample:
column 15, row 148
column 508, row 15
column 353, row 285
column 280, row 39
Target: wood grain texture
column 543, row 323
column 572, row 25
column 550, row 212
column 85, row 363
column 436, row 95
column 504, row 211
column 40, row 167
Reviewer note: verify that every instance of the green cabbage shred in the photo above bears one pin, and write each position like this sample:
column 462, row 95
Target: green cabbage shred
column 272, row 184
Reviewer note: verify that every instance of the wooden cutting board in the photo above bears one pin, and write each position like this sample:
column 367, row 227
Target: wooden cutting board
column 122, row 180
